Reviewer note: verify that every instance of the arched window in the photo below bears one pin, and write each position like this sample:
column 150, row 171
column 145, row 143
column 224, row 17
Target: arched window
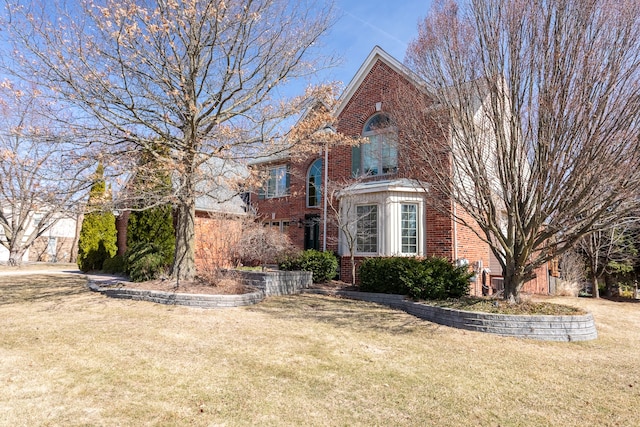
column 380, row 155
column 314, row 184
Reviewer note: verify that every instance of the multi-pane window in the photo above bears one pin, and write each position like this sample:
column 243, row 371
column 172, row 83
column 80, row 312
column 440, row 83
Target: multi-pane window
column 277, row 184
column 409, row 228
column 380, row 155
column 313, row 184
column 282, row 226
column 367, row 229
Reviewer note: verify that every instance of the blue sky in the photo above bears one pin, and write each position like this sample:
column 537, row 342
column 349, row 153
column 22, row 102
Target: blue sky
column 365, row 24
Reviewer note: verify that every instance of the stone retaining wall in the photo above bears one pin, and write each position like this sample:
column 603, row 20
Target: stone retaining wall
column 276, row 282
column 268, row 283
column 548, row 328
column 173, row 298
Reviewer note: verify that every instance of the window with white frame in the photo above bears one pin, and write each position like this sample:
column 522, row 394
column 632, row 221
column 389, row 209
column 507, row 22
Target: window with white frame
column 380, row 155
column 314, row 177
column 277, row 184
column 367, row 229
column 282, row 226
column 409, row 228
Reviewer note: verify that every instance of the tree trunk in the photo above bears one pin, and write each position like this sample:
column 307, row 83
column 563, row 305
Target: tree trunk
column 15, row 256
column 595, row 292
column 353, row 269
column 513, row 282
column 184, row 265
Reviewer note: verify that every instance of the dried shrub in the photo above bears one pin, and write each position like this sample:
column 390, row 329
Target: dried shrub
column 567, row 288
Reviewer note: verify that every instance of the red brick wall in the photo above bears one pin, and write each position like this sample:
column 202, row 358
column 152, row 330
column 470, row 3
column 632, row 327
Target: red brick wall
column 216, row 235
column 293, row 207
column 540, row 284
column 383, row 85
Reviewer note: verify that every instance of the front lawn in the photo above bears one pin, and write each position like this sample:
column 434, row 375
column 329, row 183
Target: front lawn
column 72, row 357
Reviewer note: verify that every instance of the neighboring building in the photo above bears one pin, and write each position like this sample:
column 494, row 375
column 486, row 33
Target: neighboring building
column 59, row 243
column 386, row 209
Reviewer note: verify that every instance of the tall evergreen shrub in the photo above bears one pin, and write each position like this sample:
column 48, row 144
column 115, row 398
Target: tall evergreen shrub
column 150, row 233
column 98, row 233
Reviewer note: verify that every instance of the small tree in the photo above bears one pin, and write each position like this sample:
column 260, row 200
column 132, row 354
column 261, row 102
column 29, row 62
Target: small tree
column 98, row 234
column 342, row 211
column 608, row 251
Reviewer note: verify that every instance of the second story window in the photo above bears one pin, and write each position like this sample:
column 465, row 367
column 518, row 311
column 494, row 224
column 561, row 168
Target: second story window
column 380, row 155
column 277, row 184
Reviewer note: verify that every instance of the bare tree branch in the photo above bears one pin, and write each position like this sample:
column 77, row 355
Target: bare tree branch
column 533, row 110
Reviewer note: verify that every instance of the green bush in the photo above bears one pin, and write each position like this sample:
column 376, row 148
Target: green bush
column 153, row 226
column 323, row 265
column 145, row 261
column 114, row 265
column 97, row 240
column 429, row 278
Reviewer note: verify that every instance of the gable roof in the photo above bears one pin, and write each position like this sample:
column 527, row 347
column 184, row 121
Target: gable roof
column 377, row 54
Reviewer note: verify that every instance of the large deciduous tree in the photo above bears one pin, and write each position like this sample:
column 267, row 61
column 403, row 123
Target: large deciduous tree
column 538, row 103
column 206, row 78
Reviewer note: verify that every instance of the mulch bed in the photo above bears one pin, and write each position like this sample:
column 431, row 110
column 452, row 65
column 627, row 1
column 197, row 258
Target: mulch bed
column 222, row 287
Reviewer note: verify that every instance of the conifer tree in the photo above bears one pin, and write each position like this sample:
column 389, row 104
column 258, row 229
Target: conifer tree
column 98, row 233
column 150, row 230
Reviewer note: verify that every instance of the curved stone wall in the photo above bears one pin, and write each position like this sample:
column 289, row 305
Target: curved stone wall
column 267, row 284
column 548, row 328
column 172, row 298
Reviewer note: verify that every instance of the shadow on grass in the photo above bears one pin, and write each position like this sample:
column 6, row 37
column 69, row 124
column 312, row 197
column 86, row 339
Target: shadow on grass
column 37, row 288
column 342, row 313
column 622, row 299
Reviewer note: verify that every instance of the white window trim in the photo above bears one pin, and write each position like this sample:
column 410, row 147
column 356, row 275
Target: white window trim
column 277, row 194
column 417, row 228
column 379, row 215
column 390, row 131
column 319, row 188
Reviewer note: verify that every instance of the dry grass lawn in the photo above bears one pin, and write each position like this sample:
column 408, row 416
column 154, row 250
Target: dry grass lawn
column 71, row 357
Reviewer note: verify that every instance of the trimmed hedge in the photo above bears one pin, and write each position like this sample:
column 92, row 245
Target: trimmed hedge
column 428, row 278
column 323, row 265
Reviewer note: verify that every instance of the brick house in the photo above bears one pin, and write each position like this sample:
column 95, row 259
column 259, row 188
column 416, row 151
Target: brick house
column 381, row 204
column 220, row 215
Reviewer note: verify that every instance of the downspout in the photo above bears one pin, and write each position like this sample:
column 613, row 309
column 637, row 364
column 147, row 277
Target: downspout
column 455, row 234
column 324, row 197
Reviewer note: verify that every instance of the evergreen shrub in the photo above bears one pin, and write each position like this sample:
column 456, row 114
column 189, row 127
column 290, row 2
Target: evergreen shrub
column 113, row 265
column 145, row 261
column 97, row 240
column 428, row 278
column 323, row 265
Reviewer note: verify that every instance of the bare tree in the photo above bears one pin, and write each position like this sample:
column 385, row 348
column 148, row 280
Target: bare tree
column 42, row 174
column 261, row 244
column 606, row 247
column 351, row 219
column 205, row 78
column 528, row 120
